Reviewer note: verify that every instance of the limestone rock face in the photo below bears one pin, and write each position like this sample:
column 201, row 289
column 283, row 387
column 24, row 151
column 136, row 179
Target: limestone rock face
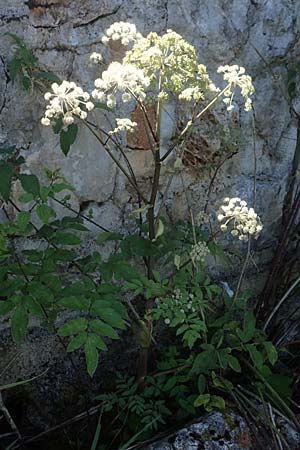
column 223, row 431
column 217, row 431
column 63, row 35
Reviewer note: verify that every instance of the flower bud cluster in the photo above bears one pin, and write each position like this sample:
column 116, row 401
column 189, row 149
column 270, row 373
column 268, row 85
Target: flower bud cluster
column 125, row 79
column 243, row 221
column 176, row 308
column 199, row 251
column 235, row 76
column 124, row 31
column 124, row 125
column 176, row 60
column 67, row 100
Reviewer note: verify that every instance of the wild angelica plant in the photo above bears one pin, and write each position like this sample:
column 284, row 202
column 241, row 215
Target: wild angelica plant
column 157, row 272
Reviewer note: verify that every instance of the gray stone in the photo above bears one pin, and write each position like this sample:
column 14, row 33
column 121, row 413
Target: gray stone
column 216, row 431
column 223, row 32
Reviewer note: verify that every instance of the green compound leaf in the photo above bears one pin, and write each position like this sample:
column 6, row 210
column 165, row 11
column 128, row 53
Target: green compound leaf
column 73, row 326
column 68, row 137
column 26, row 81
column 76, row 303
column 14, row 68
column 19, row 323
column 109, row 316
column 98, row 342
column 104, row 329
column 172, row 381
column 91, row 355
column 77, row 342
column 49, row 76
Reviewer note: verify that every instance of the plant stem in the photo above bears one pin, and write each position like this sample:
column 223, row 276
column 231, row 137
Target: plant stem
column 281, row 301
column 157, row 165
column 8, row 417
column 274, row 394
column 192, row 121
column 143, row 357
column 241, row 277
column 272, row 280
column 78, row 213
column 119, row 165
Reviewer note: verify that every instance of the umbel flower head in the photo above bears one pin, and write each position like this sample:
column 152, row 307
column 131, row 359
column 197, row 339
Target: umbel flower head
column 243, row 221
column 176, row 60
column 66, row 100
column 124, row 31
column 169, row 59
column 199, row 251
column 124, row 125
column 125, row 79
column 235, row 76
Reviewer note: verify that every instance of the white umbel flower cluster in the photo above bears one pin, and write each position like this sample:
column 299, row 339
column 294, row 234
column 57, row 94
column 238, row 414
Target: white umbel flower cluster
column 124, row 125
column 174, row 58
column 192, row 93
column 243, row 221
column 125, row 79
column 66, row 101
column 96, row 58
column 121, row 31
column 199, row 251
column 235, row 76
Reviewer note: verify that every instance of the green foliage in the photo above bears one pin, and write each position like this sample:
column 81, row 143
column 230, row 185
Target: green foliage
column 139, row 408
column 25, row 66
column 9, row 163
column 68, row 137
column 6, row 173
column 149, row 282
column 293, row 75
column 36, row 282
